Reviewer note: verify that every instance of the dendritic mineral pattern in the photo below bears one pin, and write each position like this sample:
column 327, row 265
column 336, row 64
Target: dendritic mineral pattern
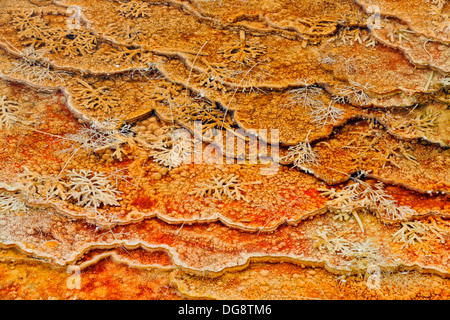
column 232, row 149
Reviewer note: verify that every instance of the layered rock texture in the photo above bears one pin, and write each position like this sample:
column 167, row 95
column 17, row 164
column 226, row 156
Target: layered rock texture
column 212, row 149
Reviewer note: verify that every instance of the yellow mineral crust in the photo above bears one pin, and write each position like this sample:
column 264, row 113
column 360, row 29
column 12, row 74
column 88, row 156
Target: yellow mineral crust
column 436, row 26
column 269, row 281
column 419, row 49
column 224, row 149
column 341, row 247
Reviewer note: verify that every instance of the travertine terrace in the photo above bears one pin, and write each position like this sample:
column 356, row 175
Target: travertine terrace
column 118, row 179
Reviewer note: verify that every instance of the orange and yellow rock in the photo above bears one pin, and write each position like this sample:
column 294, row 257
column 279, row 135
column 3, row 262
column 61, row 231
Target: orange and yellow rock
column 224, row 149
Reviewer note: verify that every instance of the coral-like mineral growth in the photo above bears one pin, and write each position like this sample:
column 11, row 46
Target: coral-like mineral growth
column 224, row 149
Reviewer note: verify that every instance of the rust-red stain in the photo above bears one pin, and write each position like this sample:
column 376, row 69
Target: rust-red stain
column 143, row 202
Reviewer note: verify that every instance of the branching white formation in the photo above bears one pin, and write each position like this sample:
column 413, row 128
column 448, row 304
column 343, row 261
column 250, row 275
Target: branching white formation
column 349, row 36
column 91, row 189
column 302, row 155
column 353, row 93
column 215, row 75
column 9, row 114
column 218, row 187
column 323, row 242
column 134, row 9
column 126, row 32
column 53, row 186
column 306, row 96
column 345, row 64
column 118, row 139
column 172, row 148
column 11, row 204
column 360, row 195
column 36, row 68
column 423, row 124
column 360, row 255
column 92, row 139
column 324, row 115
column 445, row 81
column 219, row 2
column 248, row 78
column 438, row 3
column 412, row 232
column 243, row 51
column 90, row 97
column 89, row 138
column 44, row 187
